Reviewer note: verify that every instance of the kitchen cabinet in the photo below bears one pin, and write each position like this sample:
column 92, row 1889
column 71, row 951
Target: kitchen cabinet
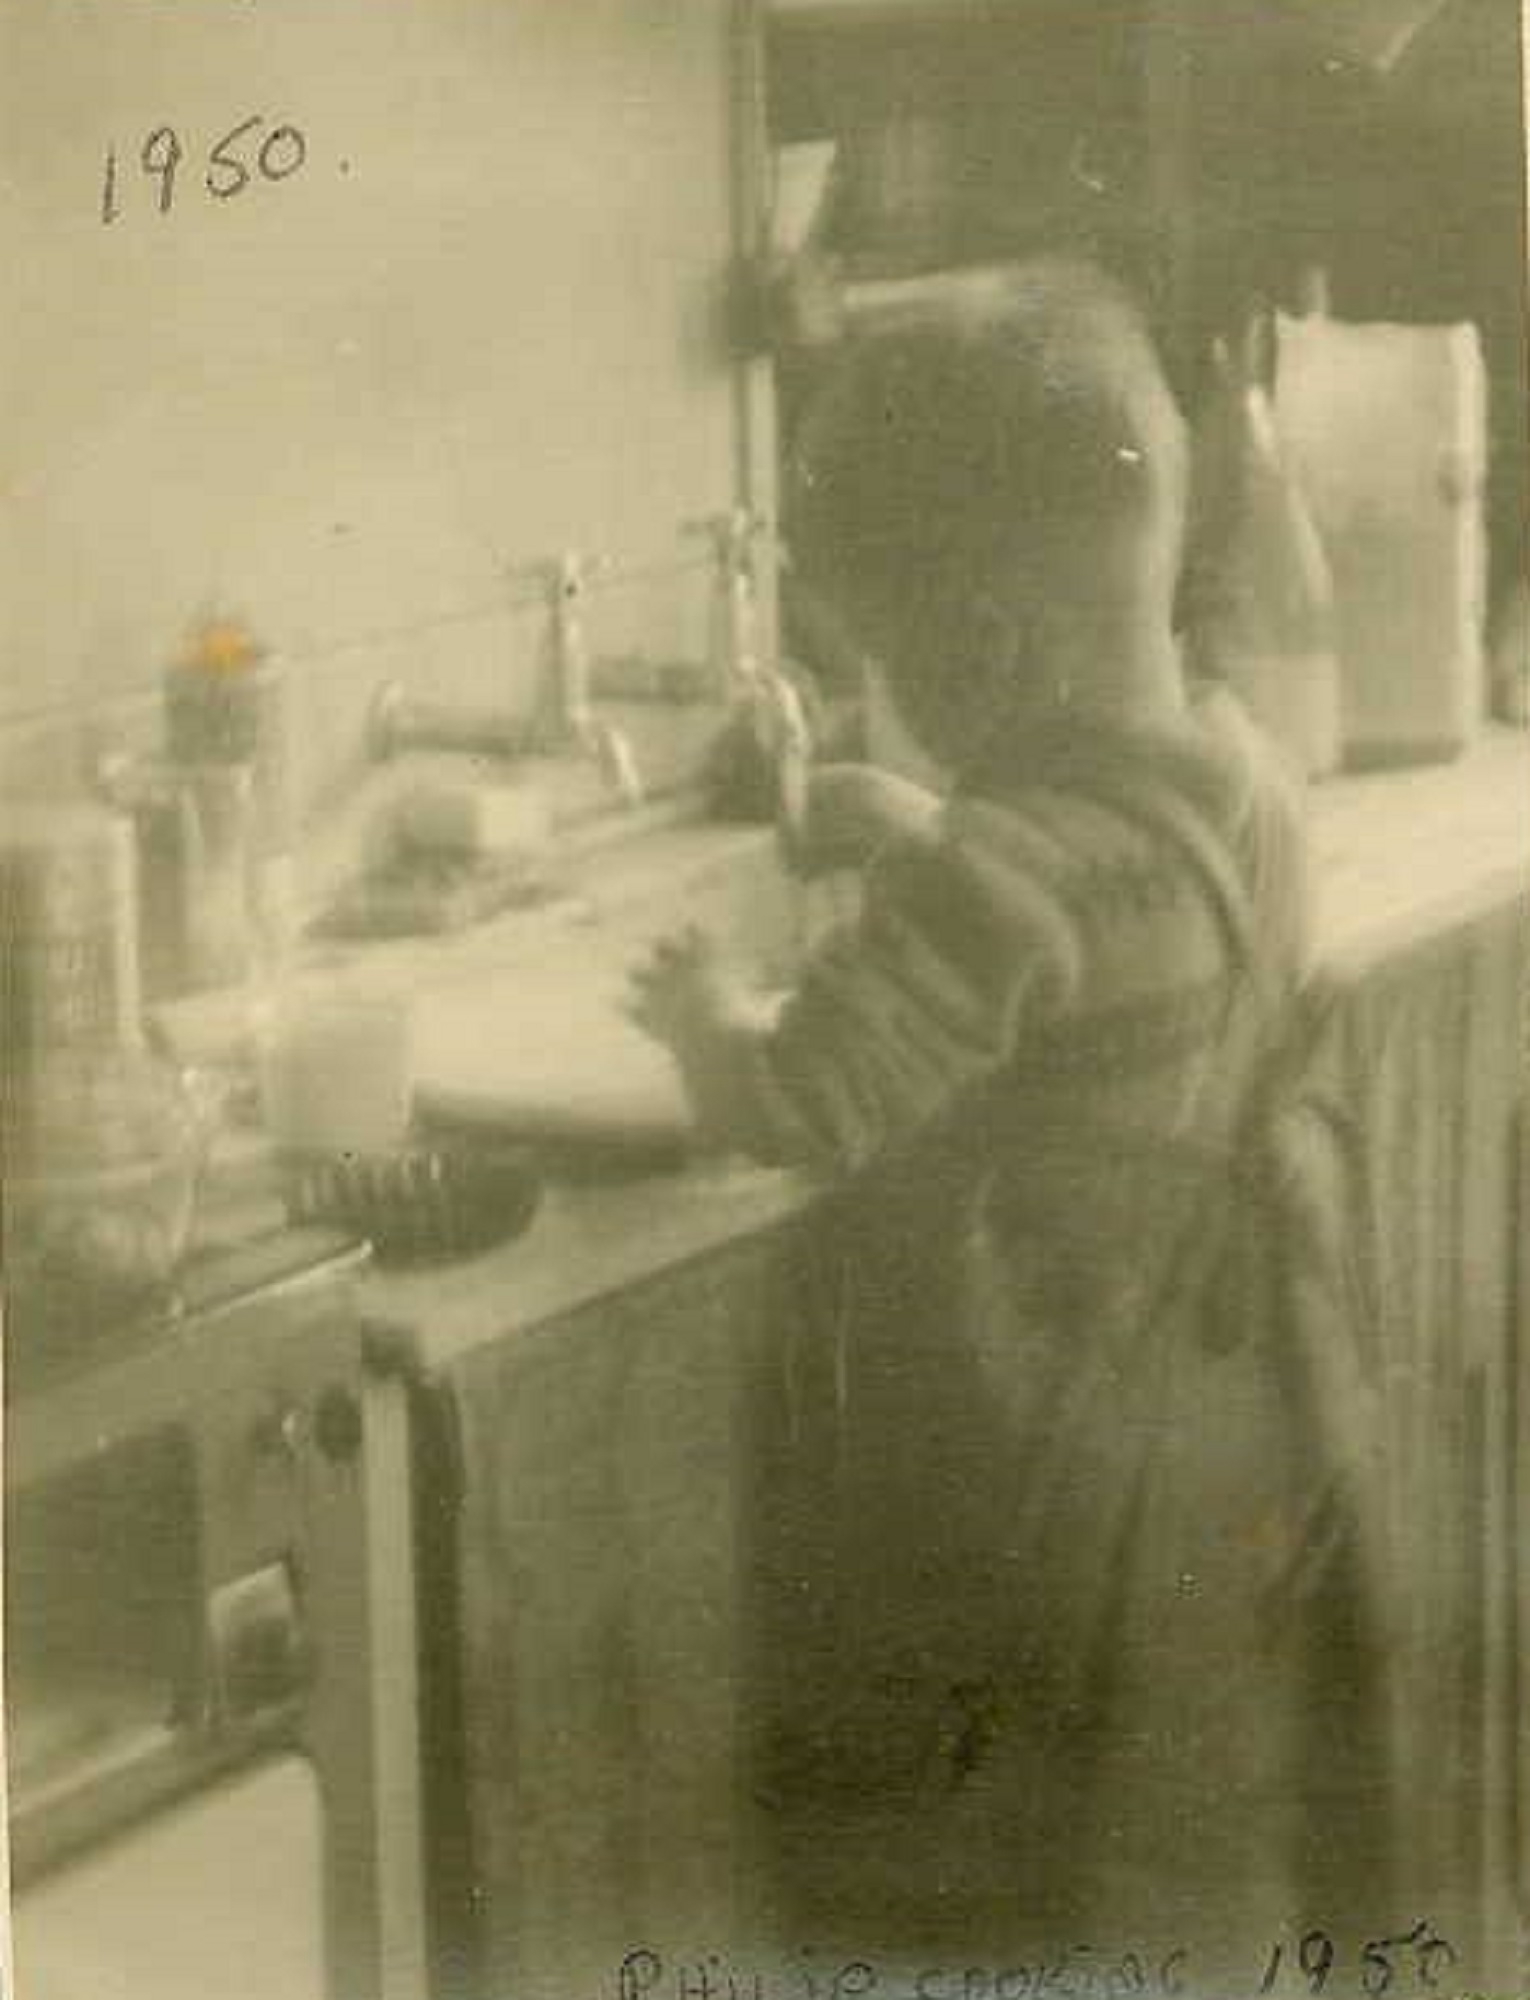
column 582, row 1514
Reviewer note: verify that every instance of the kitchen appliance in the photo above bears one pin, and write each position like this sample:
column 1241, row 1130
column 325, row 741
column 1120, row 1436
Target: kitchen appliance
column 209, row 1648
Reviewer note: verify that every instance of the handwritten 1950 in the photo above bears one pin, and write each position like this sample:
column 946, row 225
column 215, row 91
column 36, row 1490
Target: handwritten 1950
column 237, row 161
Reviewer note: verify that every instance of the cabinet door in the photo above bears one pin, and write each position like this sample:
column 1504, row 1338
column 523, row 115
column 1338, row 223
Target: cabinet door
column 597, row 1545
column 1436, row 1037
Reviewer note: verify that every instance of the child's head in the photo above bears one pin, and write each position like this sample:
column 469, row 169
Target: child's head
column 969, row 484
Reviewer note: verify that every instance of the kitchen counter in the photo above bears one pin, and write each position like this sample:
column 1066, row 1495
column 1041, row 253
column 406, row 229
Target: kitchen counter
column 1398, row 856
column 1401, row 854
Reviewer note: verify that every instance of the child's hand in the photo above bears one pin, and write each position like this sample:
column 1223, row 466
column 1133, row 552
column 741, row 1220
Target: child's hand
column 681, row 996
column 684, row 999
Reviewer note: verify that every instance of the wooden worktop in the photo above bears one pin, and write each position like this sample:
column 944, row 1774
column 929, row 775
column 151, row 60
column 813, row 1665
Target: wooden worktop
column 1399, row 857
column 1400, row 854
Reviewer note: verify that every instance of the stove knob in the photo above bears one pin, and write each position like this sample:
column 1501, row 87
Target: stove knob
column 279, row 1433
column 337, row 1425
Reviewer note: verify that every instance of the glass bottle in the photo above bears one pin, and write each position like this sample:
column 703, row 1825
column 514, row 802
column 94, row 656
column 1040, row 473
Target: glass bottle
column 1267, row 626
column 221, row 912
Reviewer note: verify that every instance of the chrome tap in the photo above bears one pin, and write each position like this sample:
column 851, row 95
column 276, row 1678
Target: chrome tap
column 736, row 652
column 565, row 718
column 766, row 702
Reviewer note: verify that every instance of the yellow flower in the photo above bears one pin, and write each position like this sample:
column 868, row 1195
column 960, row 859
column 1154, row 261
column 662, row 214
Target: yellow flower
column 222, row 647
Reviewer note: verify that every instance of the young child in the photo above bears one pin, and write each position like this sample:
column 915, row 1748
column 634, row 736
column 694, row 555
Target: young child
column 995, row 500
column 1037, row 1661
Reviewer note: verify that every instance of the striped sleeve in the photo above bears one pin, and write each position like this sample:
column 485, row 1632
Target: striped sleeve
column 925, row 995
column 1271, row 833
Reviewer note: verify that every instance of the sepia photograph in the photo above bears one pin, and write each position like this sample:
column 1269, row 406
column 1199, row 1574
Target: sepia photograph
column 764, row 1108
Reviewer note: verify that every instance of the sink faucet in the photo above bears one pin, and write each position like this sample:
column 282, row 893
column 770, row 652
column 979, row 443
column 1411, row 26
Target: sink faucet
column 732, row 536
column 767, row 701
column 565, row 718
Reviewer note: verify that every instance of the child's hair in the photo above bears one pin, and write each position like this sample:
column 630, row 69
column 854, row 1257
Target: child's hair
column 981, row 461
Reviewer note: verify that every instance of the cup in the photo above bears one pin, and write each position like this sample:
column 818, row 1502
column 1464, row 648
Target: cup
column 337, row 1073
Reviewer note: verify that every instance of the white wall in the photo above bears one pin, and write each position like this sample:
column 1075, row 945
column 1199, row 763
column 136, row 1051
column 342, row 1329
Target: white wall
column 483, row 321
